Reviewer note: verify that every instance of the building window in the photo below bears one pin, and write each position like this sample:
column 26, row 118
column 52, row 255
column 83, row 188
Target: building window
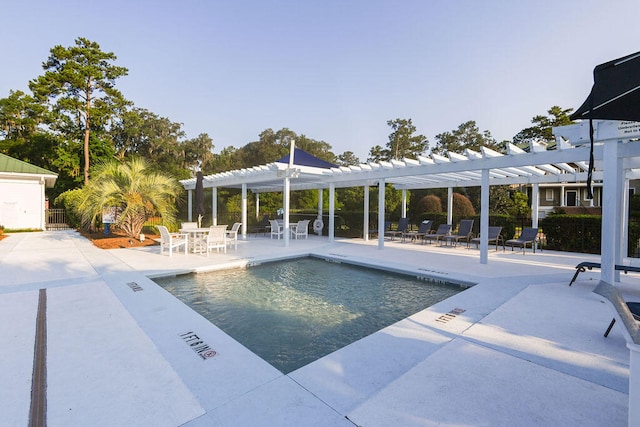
column 549, row 194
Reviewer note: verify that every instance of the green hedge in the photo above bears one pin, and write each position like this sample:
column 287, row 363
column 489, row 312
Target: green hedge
column 582, row 233
column 573, row 233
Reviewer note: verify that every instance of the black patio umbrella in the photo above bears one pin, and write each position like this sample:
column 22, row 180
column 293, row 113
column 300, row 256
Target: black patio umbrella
column 199, row 195
column 615, row 95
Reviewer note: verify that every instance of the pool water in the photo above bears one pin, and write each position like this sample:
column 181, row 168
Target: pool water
column 293, row 312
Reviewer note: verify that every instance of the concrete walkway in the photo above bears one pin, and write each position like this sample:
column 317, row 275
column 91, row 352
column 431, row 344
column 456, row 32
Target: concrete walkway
column 520, row 347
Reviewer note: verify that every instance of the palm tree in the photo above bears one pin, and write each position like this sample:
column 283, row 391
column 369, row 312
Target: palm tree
column 134, row 190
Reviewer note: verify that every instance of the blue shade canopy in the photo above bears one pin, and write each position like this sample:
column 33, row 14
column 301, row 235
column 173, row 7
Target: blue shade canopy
column 302, row 158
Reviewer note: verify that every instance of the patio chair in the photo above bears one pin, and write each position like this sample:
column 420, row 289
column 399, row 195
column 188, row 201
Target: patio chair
column 262, row 226
column 463, row 234
column 276, row 229
column 300, row 229
column 634, row 308
column 216, row 239
column 424, row 228
column 373, row 231
column 442, row 232
column 232, row 235
column 627, row 312
column 528, row 236
column 189, row 225
column 403, row 223
column 494, row 236
column 588, row 265
column 171, row 240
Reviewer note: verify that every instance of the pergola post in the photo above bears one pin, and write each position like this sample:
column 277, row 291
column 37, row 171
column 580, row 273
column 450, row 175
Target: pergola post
column 189, row 205
column 365, row 223
column 214, row 205
column 484, row 217
column 610, row 211
column 332, row 211
column 535, row 204
column 403, row 208
column 285, row 196
column 622, row 203
column 244, row 211
column 320, row 203
column 257, row 206
column 381, row 195
column 450, row 205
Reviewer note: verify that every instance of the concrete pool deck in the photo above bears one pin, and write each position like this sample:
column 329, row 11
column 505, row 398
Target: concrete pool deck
column 520, row 347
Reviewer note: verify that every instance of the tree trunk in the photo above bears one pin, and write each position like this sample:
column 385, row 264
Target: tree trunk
column 86, row 152
column 87, row 130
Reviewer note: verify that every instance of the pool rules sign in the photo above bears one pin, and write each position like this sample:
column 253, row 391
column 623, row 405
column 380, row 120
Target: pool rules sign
column 200, row 347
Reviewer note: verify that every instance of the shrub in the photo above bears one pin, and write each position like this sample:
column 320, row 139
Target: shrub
column 462, row 206
column 430, row 203
column 70, row 200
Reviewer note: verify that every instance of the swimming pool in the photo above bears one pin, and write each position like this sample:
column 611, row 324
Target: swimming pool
column 293, row 312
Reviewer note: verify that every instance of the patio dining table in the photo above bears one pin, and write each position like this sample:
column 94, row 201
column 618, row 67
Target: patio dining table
column 194, row 235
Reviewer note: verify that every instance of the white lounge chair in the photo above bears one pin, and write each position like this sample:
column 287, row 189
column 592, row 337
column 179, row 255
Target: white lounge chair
column 276, row 229
column 171, row 240
column 216, row 238
column 300, row 229
column 232, row 235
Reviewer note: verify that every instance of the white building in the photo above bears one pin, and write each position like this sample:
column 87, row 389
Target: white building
column 22, row 198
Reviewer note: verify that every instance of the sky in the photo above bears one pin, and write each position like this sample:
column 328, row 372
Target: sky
column 333, row 70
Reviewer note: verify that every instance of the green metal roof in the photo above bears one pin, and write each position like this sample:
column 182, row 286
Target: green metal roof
column 11, row 165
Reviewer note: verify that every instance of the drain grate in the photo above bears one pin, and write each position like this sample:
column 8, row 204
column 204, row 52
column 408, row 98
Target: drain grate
column 200, row 347
column 445, row 318
column 135, row 287
column 38, row 408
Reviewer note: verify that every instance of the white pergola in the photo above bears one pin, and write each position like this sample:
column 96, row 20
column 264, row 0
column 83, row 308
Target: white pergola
column 617, row 159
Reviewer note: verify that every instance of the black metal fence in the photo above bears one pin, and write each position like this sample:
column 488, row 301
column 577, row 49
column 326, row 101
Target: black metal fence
column 56, row 219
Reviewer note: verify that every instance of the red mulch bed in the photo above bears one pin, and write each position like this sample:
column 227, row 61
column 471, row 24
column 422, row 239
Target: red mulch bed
column 117, row 240
column 114, row 240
